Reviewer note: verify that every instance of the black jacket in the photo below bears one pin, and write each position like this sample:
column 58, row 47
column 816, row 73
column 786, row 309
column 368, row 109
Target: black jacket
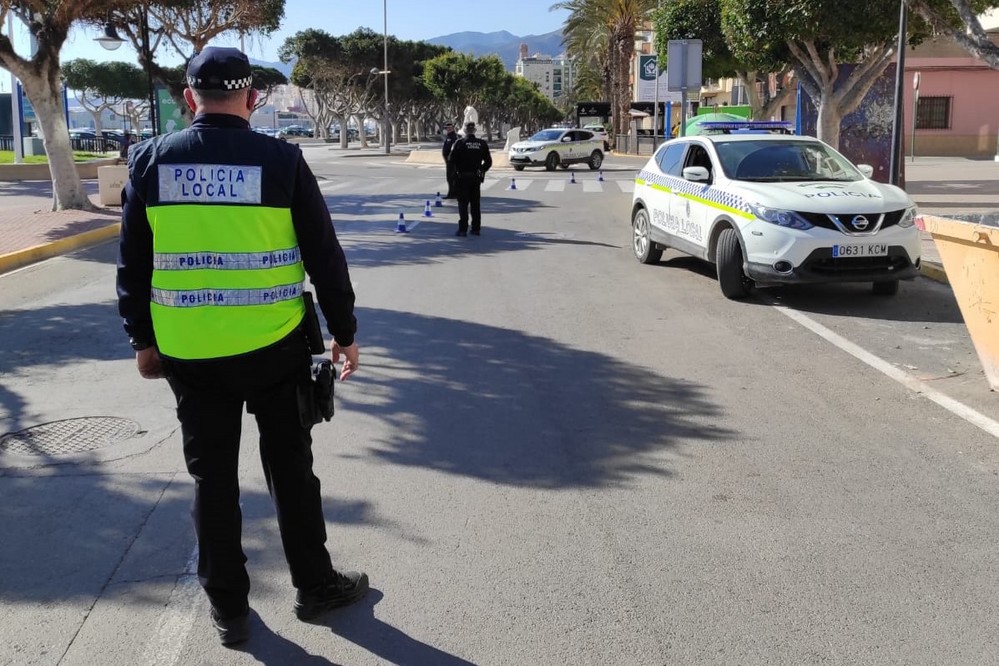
column 449, row 140
column 470, row 155
column 287, row 182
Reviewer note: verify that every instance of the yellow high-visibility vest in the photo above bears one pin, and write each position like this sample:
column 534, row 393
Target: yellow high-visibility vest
column 227, row 279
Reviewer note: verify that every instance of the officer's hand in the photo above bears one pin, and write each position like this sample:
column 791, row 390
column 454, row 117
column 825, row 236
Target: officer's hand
column 350, row 360
column 149, row 363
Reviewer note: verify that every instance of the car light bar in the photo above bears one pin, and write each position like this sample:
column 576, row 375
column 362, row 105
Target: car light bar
column 733, row 125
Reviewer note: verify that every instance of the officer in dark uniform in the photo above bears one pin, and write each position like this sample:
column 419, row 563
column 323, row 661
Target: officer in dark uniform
column 450, row 136
column 220, row 224
column 471, row 159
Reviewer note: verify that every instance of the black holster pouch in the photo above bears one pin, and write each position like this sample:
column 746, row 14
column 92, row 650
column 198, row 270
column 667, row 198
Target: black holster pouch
column 315, row 399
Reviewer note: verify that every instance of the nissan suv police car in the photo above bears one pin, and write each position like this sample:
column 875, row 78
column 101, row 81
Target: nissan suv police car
column 558, row 147
column 771, row 209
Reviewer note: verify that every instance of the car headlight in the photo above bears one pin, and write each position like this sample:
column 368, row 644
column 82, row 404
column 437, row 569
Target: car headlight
column 908, row 217
column 782, row 218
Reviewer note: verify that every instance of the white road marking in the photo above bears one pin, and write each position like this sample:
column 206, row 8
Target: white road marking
column 959, row 409
column 627, row 186
column 412, row 225
column 592, row 186
column 177, row 619
column 555, row 186
column 488, row 184
column 522, row 183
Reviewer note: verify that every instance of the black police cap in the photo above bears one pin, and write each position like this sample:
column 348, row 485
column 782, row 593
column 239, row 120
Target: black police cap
column 219, row 68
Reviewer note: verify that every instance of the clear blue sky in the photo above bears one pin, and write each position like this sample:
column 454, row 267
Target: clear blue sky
column 407, row 19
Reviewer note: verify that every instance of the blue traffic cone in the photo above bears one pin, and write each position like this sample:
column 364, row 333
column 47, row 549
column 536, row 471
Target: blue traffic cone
column 572, row 177
column 600, row 176
column 426, row 210
column 438, row 203
column 400, row 227
column 513, row 184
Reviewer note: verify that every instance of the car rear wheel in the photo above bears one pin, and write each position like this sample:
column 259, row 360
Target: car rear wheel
column 728, row 259
column 596, row 159
column 551, row 162
column 886, row 288
column 646, row 251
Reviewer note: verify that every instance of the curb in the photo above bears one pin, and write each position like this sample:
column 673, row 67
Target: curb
column 31, row 255
column 934, row 272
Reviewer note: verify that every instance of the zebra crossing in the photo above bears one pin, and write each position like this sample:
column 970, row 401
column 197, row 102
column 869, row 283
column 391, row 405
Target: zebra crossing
column 586, row 184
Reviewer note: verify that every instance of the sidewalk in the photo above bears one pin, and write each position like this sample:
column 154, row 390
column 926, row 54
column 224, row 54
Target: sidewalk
column 30, row 232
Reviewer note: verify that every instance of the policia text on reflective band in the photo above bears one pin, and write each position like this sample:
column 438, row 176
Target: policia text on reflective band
column 179, row 261
column 193, row 298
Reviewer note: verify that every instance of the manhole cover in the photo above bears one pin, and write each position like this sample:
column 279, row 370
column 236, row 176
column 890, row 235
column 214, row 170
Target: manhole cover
column 69, row 436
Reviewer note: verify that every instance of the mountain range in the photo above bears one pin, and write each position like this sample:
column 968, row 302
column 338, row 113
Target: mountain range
column 503, row 44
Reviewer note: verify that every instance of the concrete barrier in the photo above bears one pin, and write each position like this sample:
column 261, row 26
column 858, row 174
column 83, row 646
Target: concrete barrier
column 500, row 158
column 87, row 170
column 110, row 180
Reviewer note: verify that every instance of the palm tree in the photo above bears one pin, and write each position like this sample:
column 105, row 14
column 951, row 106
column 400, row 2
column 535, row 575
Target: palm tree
column 602, row 32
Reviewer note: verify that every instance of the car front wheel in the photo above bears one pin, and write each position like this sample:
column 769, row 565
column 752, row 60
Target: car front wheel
column 596, row 159
column 551, row 162
column 728, row 259
column 646, row 251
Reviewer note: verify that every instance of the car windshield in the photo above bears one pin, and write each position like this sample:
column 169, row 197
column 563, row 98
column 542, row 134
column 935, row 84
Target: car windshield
column 783, row 161
column 547, row 135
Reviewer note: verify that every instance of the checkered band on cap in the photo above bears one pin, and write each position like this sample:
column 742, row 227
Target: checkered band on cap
column 226, row 84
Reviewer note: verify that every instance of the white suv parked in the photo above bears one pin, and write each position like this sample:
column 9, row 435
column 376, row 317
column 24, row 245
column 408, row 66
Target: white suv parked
column 772, row 209
column 557, row 147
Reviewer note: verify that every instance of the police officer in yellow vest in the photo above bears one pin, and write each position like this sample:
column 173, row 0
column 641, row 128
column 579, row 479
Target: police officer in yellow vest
column 220, row 225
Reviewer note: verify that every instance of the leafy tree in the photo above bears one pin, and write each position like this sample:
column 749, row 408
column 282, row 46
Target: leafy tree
column 613, row 22
column 958, row 20
column 702, row 19
column 816, row 37
column 187, row 27
column 104, row 85
column 49, row 22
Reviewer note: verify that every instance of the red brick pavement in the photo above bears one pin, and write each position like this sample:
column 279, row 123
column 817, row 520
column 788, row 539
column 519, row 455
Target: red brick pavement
column 28, row 224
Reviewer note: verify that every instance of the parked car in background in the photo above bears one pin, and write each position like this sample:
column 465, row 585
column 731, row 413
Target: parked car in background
column 600, row 132
column 296, row 130
column 770, row 209
column 556, row 147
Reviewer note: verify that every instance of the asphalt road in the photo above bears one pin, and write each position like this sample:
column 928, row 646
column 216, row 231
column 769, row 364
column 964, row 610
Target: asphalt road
column 551, row 454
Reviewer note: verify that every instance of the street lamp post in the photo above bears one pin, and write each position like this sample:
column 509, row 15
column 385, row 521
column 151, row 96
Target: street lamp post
column 385, row 72
column 111, row 41
column 895, row 167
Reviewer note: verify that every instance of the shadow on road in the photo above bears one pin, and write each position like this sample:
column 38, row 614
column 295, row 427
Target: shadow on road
column 917, row 300
column 505, row 406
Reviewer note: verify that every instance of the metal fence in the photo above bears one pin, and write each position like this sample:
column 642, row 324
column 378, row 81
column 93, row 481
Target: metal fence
column 95, row 145
column 642, row 144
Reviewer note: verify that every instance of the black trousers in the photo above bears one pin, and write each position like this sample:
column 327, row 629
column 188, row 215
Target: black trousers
column 469, row 197
column 450, row 172
column 210, row 397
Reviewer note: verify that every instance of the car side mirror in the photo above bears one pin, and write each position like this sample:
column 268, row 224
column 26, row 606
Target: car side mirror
column 698, row 174
column 866, row 169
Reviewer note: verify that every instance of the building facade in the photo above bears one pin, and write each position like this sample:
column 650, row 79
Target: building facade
column 554, row 76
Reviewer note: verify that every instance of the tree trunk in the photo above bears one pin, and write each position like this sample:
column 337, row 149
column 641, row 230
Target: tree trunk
column 42, row 86
column 830, row 117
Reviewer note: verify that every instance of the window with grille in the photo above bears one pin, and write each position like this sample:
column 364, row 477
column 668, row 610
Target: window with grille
column 933, row 113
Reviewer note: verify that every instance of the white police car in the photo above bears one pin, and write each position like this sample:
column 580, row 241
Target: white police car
column 772, row 209
column 558, row 147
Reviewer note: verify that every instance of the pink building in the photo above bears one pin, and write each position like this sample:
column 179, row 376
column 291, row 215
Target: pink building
column 958, row 107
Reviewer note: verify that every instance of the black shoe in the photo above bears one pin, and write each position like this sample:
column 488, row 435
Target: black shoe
column 461, row 232
column 340, row 589
column 232, row 630
column 475, row 232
